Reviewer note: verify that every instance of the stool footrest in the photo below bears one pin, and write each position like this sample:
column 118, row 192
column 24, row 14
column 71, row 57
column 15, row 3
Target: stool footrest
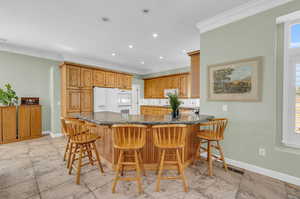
column 170, row 177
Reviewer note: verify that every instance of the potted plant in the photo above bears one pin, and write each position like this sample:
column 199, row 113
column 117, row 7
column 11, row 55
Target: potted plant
column 8, row 96
column 175, row 103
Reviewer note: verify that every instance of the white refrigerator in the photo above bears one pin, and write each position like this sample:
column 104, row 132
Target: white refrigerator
column 106, row 99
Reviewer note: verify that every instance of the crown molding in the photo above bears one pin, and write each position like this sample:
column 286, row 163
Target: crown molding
column 251, row 8
column 61, row 57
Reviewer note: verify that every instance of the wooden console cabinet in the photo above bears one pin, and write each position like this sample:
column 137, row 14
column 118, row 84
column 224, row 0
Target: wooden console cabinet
column 8, row 124
column 29, row 121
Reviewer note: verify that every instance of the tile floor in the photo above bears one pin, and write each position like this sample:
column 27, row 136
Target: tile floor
column 34, row 169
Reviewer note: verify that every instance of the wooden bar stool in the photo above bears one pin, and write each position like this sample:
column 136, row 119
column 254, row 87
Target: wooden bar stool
column 82, row 145
column 66, row 135
column 212, row 132
column 129, row 138
column 172, row 138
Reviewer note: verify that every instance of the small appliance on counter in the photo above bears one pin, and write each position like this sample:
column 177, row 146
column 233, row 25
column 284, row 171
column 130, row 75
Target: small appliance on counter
column 30, row 100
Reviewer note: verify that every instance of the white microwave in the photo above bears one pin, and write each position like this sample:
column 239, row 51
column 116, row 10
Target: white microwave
column 124, row 98
column 170, row 91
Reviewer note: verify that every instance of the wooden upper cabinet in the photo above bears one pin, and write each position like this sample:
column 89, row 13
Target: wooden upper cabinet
column 195, row 74
column 86, row 100
column 73, row 77
column 184, row 86
column 86, row 78
column 36, row 121
column 99, row 78
column 110, row 79
column 73, row 101
column 127, row 82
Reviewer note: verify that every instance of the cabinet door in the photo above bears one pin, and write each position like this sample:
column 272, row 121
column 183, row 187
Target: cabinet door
column 146, row 89
column 73, row 77
column 120, row 81
column 86, row 78
column 86, row 100
column 183, row 87
column 24, row 122
column 36, row 121
column 1, row 126
column 73, row 101
column 127, row 81
column 110, row 79
column 99, row 78
column 9, row 124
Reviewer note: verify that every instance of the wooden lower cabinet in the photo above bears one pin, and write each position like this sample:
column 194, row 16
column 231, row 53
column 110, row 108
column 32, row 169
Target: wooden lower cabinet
column 8, row 124
column 29, row 121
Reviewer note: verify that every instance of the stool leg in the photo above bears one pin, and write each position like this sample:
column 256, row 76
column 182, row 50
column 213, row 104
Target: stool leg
column 67, row 148
column 70, row 154
column 209, row 157
column 123, row 166
column 222, row 156
column 117, row 172
column 79, row 165
column 89, row 153
column 181, row 170
column 161, row 166
column 72, row 158
column 97, row 157
column 138, row 171
column 141, row 163
column 198, row 152
column 159, row 159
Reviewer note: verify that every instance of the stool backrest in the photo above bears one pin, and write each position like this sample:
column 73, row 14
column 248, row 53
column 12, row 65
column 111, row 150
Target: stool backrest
column 76, row 130
column 216, row 127
column 129, row 135
column 63, row 124
column 171, row 134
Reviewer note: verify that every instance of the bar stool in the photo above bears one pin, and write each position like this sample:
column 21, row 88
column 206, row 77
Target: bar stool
column 129, row 138
column 172, row 138
column 213, row 131
column 82, row 145
column 66, row 135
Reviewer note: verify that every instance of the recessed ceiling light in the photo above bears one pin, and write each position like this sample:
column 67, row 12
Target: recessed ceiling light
column 154, row 35
column 142, row 62
column 130, row 46
column 184, row 51
column 113, row 54
column 161, row 57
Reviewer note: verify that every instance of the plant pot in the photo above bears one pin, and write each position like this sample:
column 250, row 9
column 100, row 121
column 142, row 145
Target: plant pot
column 175, row 113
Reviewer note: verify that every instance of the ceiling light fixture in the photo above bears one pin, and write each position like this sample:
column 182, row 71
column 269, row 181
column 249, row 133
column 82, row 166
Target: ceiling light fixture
column 142, row 62
column 161, row 57
column 130, row 46
column 184, row 51
column 113, row 54
column 145, row 11
column 154, row 35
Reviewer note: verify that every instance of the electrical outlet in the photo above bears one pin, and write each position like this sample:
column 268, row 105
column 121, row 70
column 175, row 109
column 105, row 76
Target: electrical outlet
column 262, row 152
column 225, row 107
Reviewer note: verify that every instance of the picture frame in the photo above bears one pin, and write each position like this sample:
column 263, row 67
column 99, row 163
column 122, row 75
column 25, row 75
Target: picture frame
column 239, row 80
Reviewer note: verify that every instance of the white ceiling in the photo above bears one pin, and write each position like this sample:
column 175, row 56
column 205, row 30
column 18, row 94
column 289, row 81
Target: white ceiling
column 73, row 28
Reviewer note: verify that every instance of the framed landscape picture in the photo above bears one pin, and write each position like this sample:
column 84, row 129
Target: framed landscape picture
column 235, row 81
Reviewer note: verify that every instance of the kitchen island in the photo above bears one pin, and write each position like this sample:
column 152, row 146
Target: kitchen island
column 104, row 121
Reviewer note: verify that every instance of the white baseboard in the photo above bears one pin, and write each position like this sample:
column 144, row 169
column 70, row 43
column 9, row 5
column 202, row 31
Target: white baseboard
column 46, row 132
column 267, row 172
column 55, row 135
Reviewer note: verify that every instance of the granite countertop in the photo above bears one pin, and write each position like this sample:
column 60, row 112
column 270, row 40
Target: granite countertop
column 110, row 118
column 168, row 106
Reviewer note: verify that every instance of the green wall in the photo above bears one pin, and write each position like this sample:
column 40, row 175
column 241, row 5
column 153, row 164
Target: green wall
column 252, row 124
column 30, row 77
column 167, row 72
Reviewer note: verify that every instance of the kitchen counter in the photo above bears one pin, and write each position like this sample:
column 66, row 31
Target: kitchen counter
column 168, row 106
column 150, row 154
column 110, row 118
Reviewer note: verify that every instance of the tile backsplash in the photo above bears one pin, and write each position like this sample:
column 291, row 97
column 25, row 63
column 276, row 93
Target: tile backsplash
column 163, row 102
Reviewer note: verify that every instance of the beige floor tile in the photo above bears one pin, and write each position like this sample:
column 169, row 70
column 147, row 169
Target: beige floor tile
column 95, row 179
column 67, row 190
column 54, row 178
column 22, row 190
